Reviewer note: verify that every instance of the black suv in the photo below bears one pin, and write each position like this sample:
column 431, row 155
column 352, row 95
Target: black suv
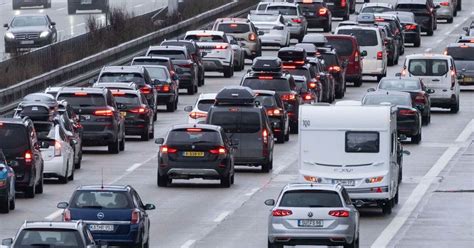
column 335, row 68
column 276, row 111
column 396, row 28
column 317, row 14
column 425, row 13
column 20, row 145
column 99, row 115
column 341, row 8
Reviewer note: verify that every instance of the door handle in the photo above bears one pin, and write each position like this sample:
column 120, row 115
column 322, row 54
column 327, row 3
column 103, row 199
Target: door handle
column 435, row 80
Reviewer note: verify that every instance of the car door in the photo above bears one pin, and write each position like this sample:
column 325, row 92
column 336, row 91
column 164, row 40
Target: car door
column 144, row 215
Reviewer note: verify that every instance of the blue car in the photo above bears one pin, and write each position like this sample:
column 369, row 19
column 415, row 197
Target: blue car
column 115, row 215
column 7, row 186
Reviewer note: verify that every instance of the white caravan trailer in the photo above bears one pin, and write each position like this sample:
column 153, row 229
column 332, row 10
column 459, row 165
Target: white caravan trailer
column 355, row 146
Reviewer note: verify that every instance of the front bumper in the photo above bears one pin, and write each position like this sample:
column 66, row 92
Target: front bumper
column 20, row 44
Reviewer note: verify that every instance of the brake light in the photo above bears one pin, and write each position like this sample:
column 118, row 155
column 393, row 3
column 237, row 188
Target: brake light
column 287, row 97
column 252, row 37
column 104, row 112
column 233, row 25
column 281, row 212
column 445, row 52
column 66, row 215
column 218, row 151
column 80, row 94
column 166, row 149
column 334, row 68
column 411, row 27
column 28, row 156
column 308, row 97
column 145, row 90
column 296, row 20
column 356, row 56
column 265, row 77
column 407, row 112
column 197, row 115
column 420, row 98
column 163, row 88
column 135, row 217
column 194, row 130
column 140, row 110
column 57, row 149
column 220, row 47
column 343, row 3
column 312, row 85
column 444, row 4
column 265, row 136
column 289, row 67
column 379, row 55
column 274, row 112
column 118, row 93
column 323, row 11
column 339, row 213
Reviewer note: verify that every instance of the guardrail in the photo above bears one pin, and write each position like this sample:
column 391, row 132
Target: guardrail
column 79, row 72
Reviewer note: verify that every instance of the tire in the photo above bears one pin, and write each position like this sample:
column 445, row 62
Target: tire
column 228, row 71
column 416, row 139
column 71, row 10
column 455, row 13
column 327, row 28
column 113, row 147
column 77, row 165
column 379, row 78
column 417, row 43
column 145, row 135
column 5, row 205
column 387, row 207
column 426, row 119
column 450, row 20
column 293, row 128
column 391, row 62
column 122, row 144
column 281, row 138
column 12, row 203
column 358, row 82
column 163, row 180
column 340, row 93
column 64, row 179
column 232, row 178
column 191, row 90
column 455, row 108
column 287, row 136
column 226, row 181
column 267, row 166
column 396, row 198
column 71, row 177
column 170, row 107
column 430, row 32
column 354, row 244
column 459, row 7
column 151, row 134
column 273, row 245
column 30, row 192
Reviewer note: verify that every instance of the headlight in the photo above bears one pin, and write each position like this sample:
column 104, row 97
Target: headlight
column 9, row 35
column 44, row 34
column 374, row 179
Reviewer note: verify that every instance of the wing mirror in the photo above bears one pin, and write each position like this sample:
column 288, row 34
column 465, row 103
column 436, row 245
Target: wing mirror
column 270, row 202
column 408, row 153
column 363, row 53
column 159, row 141
column 188, row 108
column 370, row 89
column 5, row 25
column 62, row 205
column 430, row 91
column 7, row 242
column 262, row 33
column 150, row 207
column 53, row 23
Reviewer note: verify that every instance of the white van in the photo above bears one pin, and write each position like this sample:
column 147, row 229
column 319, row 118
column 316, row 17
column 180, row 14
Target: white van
column 371, row 41
column 355, row 146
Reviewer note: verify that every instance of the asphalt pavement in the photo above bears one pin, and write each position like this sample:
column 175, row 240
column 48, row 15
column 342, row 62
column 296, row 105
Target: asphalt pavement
column 199, row 213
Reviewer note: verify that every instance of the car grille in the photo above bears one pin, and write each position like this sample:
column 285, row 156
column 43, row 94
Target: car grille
column 27, row 36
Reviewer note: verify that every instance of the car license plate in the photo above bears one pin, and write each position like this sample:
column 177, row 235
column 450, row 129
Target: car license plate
column 27, row 42
column 193, row 154
column 86, row 1
column 310, row 13
column 101, row 228
column 330, row 4
column 344, row 182
column 310, row 223
column 468, row 79
column 123, row 114
column 85, row 117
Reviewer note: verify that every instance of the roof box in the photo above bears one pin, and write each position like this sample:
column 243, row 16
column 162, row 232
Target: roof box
column 235, row 95
column 266, row 64
column 292, row 54
column 35, row 111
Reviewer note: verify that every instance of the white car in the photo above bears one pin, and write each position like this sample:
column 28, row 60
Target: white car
column 446, row 10
column 198, row 112
column 57, row 152
column 376, row 7
column 218, row 53
column 438, row 72
column 273, row 27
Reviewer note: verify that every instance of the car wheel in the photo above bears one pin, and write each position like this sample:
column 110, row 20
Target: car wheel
column 294, row 127
column 340, row 93
column 12, row 203
column 417, row 42
column 430, row 32
column 64, row 180
column 78, row 163
column 266, row 167
column 113, row 147
column 5, row 205
column 459, row 7
column 328, row 27
column 273, row 245
column 151, row 134
column 191, row 90
column 287, row 135
column 358, row 82
column 416, row 139
column 396, row 198
column 354, row 244
column 281, row 138
column 232, row 178
column 146, row 134
column 228, row 71
column 122, row 143
column 425, row 120
column 176, row 102
column 163, row 180
column 346, row 17
column 387, row 207
column 30, row 191
column 170, row 106
column 450, row 20
column 71, row 10
column 226, row 181
column 455, row 108
column 71, row 177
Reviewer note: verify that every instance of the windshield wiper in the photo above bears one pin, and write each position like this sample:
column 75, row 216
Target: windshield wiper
column 201, row 142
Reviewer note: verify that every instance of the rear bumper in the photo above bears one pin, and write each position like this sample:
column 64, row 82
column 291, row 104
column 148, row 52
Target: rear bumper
column 251, row 161
column 340, row 235
column 91, row 138
column 188, row 170
column 135, row 126
column 130, row 238
column 317, row 22
column 164, row 98
column 54, row 168
column 445, row 101
column 412, row 37
column 409, row 128
column 339, row 12
column 214, row 64
column 272, row 40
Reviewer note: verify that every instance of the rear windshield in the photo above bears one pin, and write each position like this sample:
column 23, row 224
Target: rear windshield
column 150, row 62
column 393, row 99
column 408, row 7
column 375, row 9
column 159, row 73
column 266, row 101
column 237, row 122
column 344, row 47
column 270, row 84
column 61, row 238
column 83, row 100
column 461, row 53
column 310, row 7
column 206, row 38
column 205, row 105
column 234, row 28
column 364, row 37
column 301, row 85
column 127, row 99
column 172, row 54
column 102, row 199
column 300, row 72
column 122, row 77
column 329, row 60
column 310, row 199
column 193, row 136
column 428, row 67
column 188, row 45
column 399, row 85
column 13, row 136
column 284, row 10
column 406, row 18
column 362, row 142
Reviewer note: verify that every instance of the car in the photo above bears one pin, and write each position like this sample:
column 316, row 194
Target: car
column 156, row 60
column 438, row 72
column 336, row 68
column 411, row 30
column 326, row 86
column 316, row 13
column 470, row 29
column 347, row 48
column 244, row 31
column 218, row 54
column 274, row 28
column 267, row 74
column 52, row 233
column 114, row 214
column 276, row 112
column 309, row 214
column 293, row 15
column 420, row 94
column 21, row 148
column 138, row 114
column 74, row 5
column 375, row 8
column 166, row 86
column 7, row 186
column 29, row 31
column 198, row 112
column 181, row 58
column 408, row 116
column 308, row 95
column 195, row 52
column 393, row 54
column 241, row 119
column 462, row 54
column 446, row 10
column 239, row 53
column 371, row 41
column 341, row 8
column 425, row 13
column 196, row 151
column 17, row 4
column 99, row 115
column 396, row 28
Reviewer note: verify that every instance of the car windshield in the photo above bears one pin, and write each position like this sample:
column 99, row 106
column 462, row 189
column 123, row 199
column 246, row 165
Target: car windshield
column 364, row 37
column 301, row 85
column 267, row 84
column 393, row 99
column 127, row 99
column 329, row 60
column 82, row 100
column 235, row 28
column 266, row 101
column 26, row 21
column 235, row 121
column 344, row 47
column 160, row 73
column 299, row 72
column 205, row 105
column 206, row 38
column 13, row 136
column 461, row 53
column 375, row 9
column 263, row 18
column 188, row 45
column 172, row 54
column 310, row 199
column 399, row 85
column 362, row 142
column 49, row 237
column 150, row 62
column 101, row 199
column 428, row 67
column 412, row 7
column 193, row 136
column 111, row 77
column 284, row 10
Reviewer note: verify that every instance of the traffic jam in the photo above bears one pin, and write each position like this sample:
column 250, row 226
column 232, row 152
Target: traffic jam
column 296, row 67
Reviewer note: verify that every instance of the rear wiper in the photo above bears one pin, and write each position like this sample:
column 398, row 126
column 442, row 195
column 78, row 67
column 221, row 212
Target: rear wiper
column 201, row 142
column 97, row 207
column 40, row 245
column 316, row 206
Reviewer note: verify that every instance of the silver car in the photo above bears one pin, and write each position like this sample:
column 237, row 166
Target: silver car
column 308, row 214
column 446, row 9
column 293, row 16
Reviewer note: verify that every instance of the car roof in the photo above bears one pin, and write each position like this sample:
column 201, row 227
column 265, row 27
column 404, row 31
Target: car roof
column 311, row 186
column 180, row 41
column 152, row 57
column 307, row 2
column 166, row 47
column 31, row 14
column 377, row 5
column 232, row 20
column 105, row 187
column 411, row 1
column 51, row 225
column 82, row 89
column 202, row 126
column 211, row 32
column 125, row 68
column 282, row 4
column 428, row 56
column 207, row 96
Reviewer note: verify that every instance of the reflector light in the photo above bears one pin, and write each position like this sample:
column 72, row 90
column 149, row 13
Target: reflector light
column 287, row 97
column 296, row 20
column 135, row 217
column 118, row 93
column 197, row 115
column 145, row 90
column 281, row 212
column 444, row 4
column 308, row 97
column 339, row 213
column 410, row 27
column 334, row 68
column 289, row 67
column 220, row 47
column 233, row 25
column 220, row 150
column 312, row 179
column 67, row 215
column 194, row 130
column 343, row 3
column 273, row 112
column 265, row 136
column 407, row 112
column 374, row 179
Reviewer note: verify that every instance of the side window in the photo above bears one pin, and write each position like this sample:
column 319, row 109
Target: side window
column 346, row 197
column 143, row 99
column 393, row 144
column 136, row 198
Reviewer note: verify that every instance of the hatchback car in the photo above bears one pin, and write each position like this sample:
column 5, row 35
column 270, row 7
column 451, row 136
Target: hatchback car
column 239, row 52
column 198, row 112
column 463, row 55
column 446, row 10
column 376, row 7
column 243, row 30
column 276, row 112
column 425, row 13
column 336, row 68
column 317, row 14
column 7, row 186
column 274, row 30
column 29, row 31
column 196, row 151
column 292, row 14
column 308, row 214
column 348, row 49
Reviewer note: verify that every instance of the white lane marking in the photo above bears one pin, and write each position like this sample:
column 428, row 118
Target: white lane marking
column 427, row 50
column 138, row 5
column 134, row 167
column 60, row 9
column 80, row 24
column 221, row 216
column 188, row 243
column 415, row 197
column 128, row 172
column 54, row 215
column 41, row 10
column 252, row 191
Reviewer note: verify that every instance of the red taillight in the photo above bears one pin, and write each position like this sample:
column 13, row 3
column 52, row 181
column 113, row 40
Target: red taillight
column 265, row 77
column 135, row 217
column 289, row 67
column 281, row 212
column 411, row 27
column 28, row 156
column 296, row 20
column 140, row 110
column 379, row 55
column 118, row 93
column 444, row 4
column 313, row 85
column 220, row 47
column 67, row 215
column 356, row 56
column 288, row 97
column 104, row 112
column 57, row 149
column 274, row 112
column 407, row 112
column 420, row 98
column 323, row 11
column 334, row 68
column 80, row 94
column 343, row 3
column 308, row 97
column 265, row 136
column 339, row 213
column 197, row 115
column 218, row 151
column 252, row 37
column 145, row 90
column 166, row 149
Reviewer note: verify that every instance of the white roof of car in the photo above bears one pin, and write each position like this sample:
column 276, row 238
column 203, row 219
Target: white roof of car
column 428, row 56
column 282, row 4
column 377, row 5
column 209, row 32
column 207, row 96
column 51, row 224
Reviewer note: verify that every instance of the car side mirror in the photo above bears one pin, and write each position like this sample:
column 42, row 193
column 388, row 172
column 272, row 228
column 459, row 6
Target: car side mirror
column 363, row 53
column 53, row 23
column 270, row 202
column 44, row 144
column 408, row 153
column 430, row 91
column 150, row 207
column 159, row 141
column 402, row 137
column 7, row 242
column 62, row 205
column 262, row 33
column 179, row 70
column 188, row 108
column 5, row 25
column 370, row 89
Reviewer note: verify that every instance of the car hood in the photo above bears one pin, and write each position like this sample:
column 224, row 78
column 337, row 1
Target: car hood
column 30, row 29
column 464, row 64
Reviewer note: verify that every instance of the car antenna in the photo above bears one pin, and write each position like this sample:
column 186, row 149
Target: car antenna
column 102, row 178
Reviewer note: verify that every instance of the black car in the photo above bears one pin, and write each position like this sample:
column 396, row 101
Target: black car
column 17, row 4
column 156, row 60
column 390, row 42
column 411, row 30
column 396, row 28
column 327, row 88
column 29, row 31
column 166, row 86
column 74, row 5
column 103, row 125
column 317, row 14
column 276, row 112
column 308, row 95
column 7, row 185
column 21, row 148
column 138, row 114
column 408, row 117
column 463, row 55
column 195, row 52
column 335, row 68
column 196, row 151
column 425, row 13
column 341, row 8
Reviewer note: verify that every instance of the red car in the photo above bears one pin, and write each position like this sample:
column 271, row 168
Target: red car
column 347, row 48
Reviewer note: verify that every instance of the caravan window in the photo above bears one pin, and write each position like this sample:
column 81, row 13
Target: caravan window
column 362, row 142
